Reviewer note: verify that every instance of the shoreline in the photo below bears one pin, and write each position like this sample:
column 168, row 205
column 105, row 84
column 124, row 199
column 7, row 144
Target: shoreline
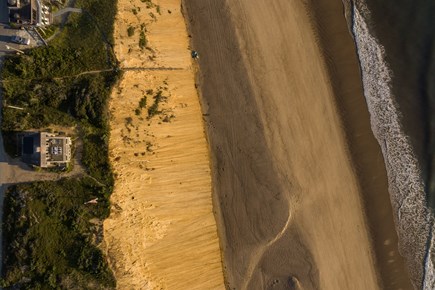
column 403, row 64
column 365, row 149
column 413, row 219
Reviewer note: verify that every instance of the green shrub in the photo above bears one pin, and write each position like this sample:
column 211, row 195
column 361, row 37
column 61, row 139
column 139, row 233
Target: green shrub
column 130, row 31
column 96, row 157
column 154, row 108
column 51, row 240
column 47, row 235
column 142, row 40
column 143, row 102
column 149, row 3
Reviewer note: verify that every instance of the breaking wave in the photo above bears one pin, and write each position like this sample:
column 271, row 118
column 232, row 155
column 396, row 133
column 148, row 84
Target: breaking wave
column 413, row 219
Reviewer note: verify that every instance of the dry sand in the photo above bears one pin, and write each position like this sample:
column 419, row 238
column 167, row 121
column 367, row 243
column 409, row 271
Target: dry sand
column 290, row 197
column 161, row 233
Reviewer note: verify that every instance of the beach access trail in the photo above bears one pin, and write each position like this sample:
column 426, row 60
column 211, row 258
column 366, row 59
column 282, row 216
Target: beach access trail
column 161, row 232
column 290, row 197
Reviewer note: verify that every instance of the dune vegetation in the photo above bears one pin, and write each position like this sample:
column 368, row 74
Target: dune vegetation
column 51, row 237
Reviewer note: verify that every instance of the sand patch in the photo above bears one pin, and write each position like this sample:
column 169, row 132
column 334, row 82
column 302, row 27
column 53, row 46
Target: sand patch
column 161, row 233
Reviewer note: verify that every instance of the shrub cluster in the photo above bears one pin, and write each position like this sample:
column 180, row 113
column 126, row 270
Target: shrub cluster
column 49, row 237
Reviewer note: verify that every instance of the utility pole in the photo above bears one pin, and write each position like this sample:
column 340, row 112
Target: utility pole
column 17, row 50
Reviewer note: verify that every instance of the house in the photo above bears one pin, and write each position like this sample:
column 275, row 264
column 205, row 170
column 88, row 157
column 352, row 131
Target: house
column 46, row 149
column 27, row 13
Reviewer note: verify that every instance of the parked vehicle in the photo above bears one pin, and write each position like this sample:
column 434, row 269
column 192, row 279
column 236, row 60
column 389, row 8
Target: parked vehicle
column 194, row 54
column 20, row 40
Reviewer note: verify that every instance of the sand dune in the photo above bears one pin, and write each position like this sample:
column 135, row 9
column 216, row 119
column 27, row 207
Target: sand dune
column 161, row 233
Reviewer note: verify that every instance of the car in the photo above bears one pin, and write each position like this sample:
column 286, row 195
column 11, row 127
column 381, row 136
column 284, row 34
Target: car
column 194, row 54
column 20, row 40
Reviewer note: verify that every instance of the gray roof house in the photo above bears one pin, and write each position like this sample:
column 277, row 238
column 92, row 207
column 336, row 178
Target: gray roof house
column 46, row 149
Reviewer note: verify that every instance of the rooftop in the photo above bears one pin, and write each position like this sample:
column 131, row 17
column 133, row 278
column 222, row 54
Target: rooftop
column 29, row 12
column 46, row 149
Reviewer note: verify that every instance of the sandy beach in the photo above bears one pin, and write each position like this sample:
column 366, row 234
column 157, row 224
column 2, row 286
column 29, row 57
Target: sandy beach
column 299, row 182
column 161, row 233
column 300, row 194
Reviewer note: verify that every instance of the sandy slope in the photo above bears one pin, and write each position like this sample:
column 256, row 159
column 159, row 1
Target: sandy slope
column 289, row 202
column 161, row 233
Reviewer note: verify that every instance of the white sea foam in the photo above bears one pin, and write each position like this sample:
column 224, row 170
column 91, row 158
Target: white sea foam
column 412, row 217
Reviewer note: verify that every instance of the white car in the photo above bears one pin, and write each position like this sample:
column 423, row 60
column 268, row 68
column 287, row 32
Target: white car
column 20, row 40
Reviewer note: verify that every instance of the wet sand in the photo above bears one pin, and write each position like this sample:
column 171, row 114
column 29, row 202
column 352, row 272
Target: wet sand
column 365, row 151
column 161, row 232
column 299, row 182
column 405, row 30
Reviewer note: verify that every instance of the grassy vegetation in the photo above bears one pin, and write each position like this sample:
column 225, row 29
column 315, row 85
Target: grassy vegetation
column 152, row 16
column 56, row 248
column 50, row 236
column 149, row 3
column 142, row 105
column 154, row 108
column 142, row 40
column 130, row 31
column 43, row 83
column 143, row 102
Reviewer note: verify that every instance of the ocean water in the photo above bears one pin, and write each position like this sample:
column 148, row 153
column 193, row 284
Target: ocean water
column 395, row 46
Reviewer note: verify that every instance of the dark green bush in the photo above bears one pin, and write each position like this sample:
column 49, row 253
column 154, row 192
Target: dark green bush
column 49, row 239
column 48, row 236
column 130, row 31
column 142, row 40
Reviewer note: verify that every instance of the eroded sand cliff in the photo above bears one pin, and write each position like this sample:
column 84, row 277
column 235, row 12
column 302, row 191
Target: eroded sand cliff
column 161, row 233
